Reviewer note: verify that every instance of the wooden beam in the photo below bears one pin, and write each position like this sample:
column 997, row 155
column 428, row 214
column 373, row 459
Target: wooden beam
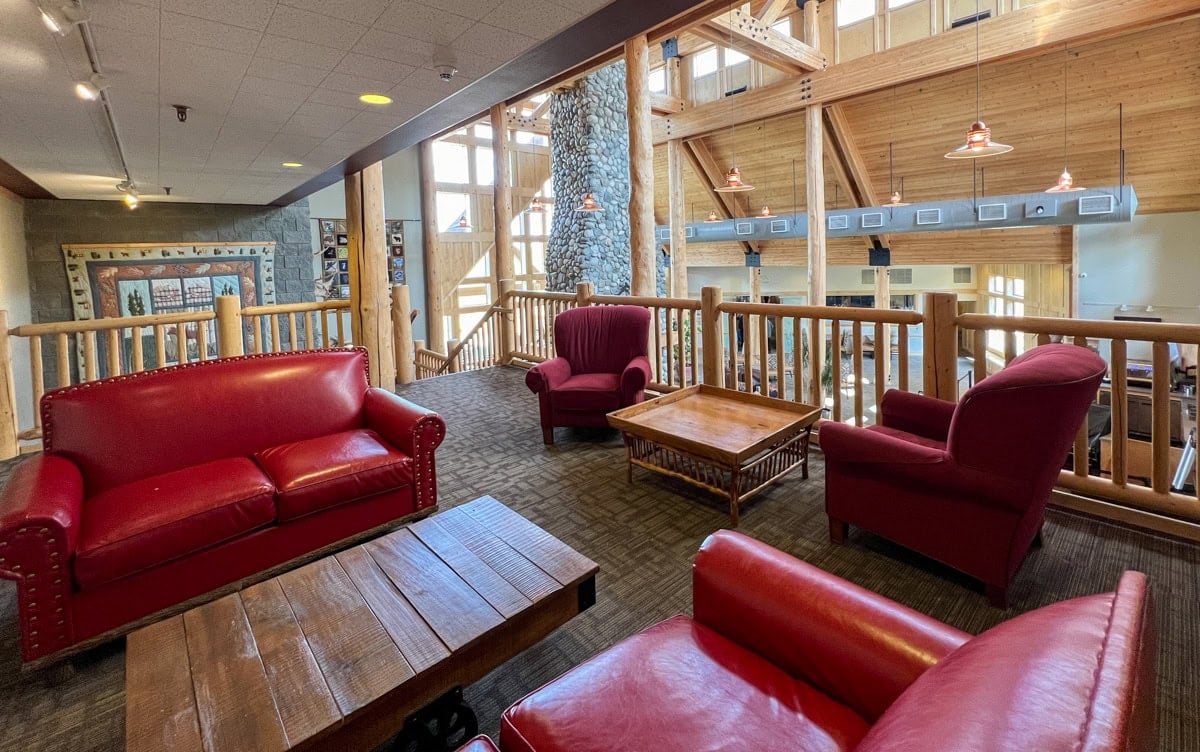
column 542, row 108
column 354, row 241
column 371, row 295
column 771, row 12
column 502, row 204
column 712, row 175
column 665, row 104
column 814, row 169
column 676, row 199
column 435, row 316
column 643, row 249
column 1015, row 35
column 528, row 123
column 762, row 43
column 849, row 163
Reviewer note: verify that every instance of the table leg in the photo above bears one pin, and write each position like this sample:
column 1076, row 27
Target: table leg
column 804, row 453
column 734, row 497
column 628, row 461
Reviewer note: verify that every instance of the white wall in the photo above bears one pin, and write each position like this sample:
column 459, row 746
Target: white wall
column 792, row 281
column 1152, row 261
column 14, row 296
column 401, row 200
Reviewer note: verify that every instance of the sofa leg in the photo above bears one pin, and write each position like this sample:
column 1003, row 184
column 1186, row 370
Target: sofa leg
column 997, row 595
column 837, row 531
column 548, row 436
column 1039, row 540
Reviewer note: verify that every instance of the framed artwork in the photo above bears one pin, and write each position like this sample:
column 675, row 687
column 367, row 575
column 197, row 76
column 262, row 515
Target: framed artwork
column 335, row 267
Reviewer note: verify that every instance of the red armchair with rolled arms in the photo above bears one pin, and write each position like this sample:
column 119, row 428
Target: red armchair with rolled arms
column 967, row 483
column 601, row 366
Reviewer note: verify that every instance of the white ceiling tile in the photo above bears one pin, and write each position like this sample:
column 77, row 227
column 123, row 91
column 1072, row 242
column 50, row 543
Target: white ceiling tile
column 213, row 34
column 355, row 84
column 272, row 88
column 344, row 99
column 325, row 112
column 307, row 26
column 300, row 53
column 249, row 14
column 389, row 46
column 277, row 70
column 522, row 16
column 374, row 68
column 475, row 9
column 586, row 7
column 491, row 42
column 419, row 21
column 359, row 11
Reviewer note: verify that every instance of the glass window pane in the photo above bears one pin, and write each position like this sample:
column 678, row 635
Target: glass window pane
column 519, row 259
column 483, row 130
column 733, row 57
column 536, row 222
column 533, row 139
column 450, row 163
column 658, row 79
column 899, row 3
column 995, row 340
column 1018, row 288
column 537, row 257
column 481, row 267
column 484, row 168
column 704, row 63
column 853, row 11
column 450, row 208
column 1018, row 308
column 783, row 26
column 996, row 284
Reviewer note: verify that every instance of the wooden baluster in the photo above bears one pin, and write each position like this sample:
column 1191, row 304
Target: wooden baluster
column 1081, row 437
column 1043, row 339
column 764, row 385
column 202, row 340
column 113, row 346
column 902, row 357
column 980, row 348
column 815, row 333
column 692, row 344
column 293, row 342
column 257, row 347
column 1077, row 341
column 835, row 346
column 883, row 354
column 181, row 345
column 1119, row 404
column 275, row 346
column 797, row 361
column 36, row 378
column 340, row 326
column 656, row 356
column 1160, row 431
column 89, row 356
column 780, row 357
column 670, row 379
column 136, row 357
column 733, row 360
column 1010, row 346
column 310, row 341
column 63, row 352
column 160, row 345
column 857, row 357
column 326, row 326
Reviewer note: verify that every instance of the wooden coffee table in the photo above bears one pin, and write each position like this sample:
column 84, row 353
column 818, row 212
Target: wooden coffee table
column 728, row 442
column 337, row 653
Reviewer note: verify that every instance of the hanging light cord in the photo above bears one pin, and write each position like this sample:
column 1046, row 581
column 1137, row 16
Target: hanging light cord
column 1065, row 129
column 733, row 120
column 978, row 77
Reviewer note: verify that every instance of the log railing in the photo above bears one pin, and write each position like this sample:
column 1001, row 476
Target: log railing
column 428, row 362
column 296, row 326
column 533, row 314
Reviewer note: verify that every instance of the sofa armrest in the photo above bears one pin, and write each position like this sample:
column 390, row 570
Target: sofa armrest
column 413, row 430
column 916, row 413
column 41, row 513
column 854, row 645
column 634, row 379
column 843, row 443
column 547, row 375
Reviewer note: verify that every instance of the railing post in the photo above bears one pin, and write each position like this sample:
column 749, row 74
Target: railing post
column 710, row 339
column 452, row 366
column 402, row 335
column 229, row 326
column 508, row 326
column 940, row 345
column 583, row 294
column 8, row 395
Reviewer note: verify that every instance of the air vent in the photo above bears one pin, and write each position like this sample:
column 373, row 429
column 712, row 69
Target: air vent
column 962, row 275
column 839, row 222
column 1096, row 205
column 874, row 219
column 779, row 225
column 689, row 232
column 993, row 212
column 868, row 276
column 744, row 228
column 901, row 276
column 664, row 234
column 929, row 216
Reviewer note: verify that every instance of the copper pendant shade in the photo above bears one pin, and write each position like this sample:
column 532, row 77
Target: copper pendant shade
column 590, row 204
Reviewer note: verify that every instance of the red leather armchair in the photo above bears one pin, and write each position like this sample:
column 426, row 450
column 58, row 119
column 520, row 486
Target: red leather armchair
column 601, row 366
column 965, row 484
column 780, row 655
column 170, row 486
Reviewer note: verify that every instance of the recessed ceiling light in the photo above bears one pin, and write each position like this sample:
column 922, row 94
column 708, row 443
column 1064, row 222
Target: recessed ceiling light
column 293, row 165
column 375, row 99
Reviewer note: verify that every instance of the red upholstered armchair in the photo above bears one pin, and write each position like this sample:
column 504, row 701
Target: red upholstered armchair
column 780, row 655
column 601, row 366
column 965, row 484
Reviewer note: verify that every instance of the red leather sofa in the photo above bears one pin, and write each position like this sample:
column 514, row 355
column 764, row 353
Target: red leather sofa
column 966, row 483
column 780, row 655
column 164, row 488
column 601, row 366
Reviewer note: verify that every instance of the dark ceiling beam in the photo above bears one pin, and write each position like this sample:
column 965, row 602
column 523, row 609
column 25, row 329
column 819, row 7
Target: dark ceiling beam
column 14, row 180
column 594, row 37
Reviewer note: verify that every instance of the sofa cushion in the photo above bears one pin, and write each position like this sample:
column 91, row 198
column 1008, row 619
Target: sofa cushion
column 1029, row 683
column 642, row 694
column 324, row 472
column 149, row 522
column 589, row 391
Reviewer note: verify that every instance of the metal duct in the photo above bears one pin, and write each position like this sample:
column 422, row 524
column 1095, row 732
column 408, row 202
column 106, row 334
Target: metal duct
column 1088, row 207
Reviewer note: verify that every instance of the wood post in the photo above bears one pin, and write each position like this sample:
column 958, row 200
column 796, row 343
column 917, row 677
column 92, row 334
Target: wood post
column 435, row 317
column 229, row 326
column 370, row 296
column 452, row 367
column 750, row 343
column 675, row 192
column 883, row 301
column 8, row 395
column 402, row 335
column 583, row 294
column 502, row 197
column 710, row 340
column 641, row 168
column 940, row 342
column 508, row 321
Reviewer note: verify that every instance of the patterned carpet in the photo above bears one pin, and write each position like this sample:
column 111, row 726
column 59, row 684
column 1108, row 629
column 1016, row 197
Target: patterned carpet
column 643, row 537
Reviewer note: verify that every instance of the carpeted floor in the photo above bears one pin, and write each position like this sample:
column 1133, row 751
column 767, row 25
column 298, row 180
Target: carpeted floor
column 643, row 537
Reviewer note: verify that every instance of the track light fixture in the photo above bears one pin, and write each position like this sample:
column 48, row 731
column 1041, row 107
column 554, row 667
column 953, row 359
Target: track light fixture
column 89, row 90
column 61, row 19
column 129, row 193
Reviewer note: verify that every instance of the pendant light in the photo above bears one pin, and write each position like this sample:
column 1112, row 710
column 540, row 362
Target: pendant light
column 712, row 216
column 590, row 204
column 766, row 213
column 979, row 137
column 464, row 224
column 733, row 179
column 897, row 197
column 1066, row 183
column 536, row 206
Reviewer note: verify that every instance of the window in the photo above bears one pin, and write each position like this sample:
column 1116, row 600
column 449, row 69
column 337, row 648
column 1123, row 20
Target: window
column 658, row 79
column 451, row 207
column 533, row 139
column 1005, row 297
column 783, row 26
column 733, row 57
column 705, row 63
column 450, row 164
column 899, row 3
column 853, row 11
column 484, row 166
column 483, row 130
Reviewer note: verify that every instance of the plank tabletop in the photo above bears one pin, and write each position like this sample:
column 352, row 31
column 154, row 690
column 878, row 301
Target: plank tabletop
column 286, row 662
